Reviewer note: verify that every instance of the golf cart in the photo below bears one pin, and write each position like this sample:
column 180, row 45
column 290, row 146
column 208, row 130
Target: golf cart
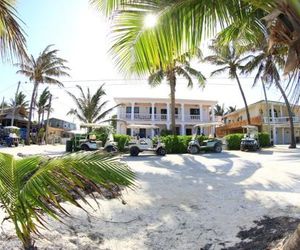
column 212, row 144
column 88, row 141
column 10, row 137
column 250, row 140
column 137, row 144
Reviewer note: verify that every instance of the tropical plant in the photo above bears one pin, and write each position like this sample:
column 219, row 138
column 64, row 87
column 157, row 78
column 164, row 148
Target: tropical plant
column 230, row 109
column 12, row 39
column 33, row 187
column 45, row 69
column 19, row 101
column 231, row 61
column 42, row 105
column 219, row 110
column 180, row 67
column 90, row 108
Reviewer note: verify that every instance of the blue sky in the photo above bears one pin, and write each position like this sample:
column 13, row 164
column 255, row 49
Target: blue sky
column 79, row 31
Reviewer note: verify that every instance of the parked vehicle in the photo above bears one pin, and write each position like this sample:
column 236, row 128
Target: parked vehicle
column 250, row 141
column 212, row 144
column 9, row 136
column 137, row 144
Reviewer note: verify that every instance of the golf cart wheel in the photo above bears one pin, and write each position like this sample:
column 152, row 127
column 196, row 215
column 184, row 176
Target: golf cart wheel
column 85, row 147
column 134, row 151
column 161, row 151
column 16, row 144
column 218, row 148
column 194, row 150
column 111, row 149
column 242, row 148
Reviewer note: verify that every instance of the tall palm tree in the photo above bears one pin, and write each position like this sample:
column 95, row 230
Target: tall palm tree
column 33, row 187
column 267, row 66
column 41, row 105
column 45, row 69
column 231, row 61
column 230, row 109
column 20, row 101
column 12, row 39
column 219, row 110
column 90, row 108
column 180, row 67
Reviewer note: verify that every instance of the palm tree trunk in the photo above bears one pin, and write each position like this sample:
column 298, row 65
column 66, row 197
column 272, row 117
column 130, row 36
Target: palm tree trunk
column 27, row 141
column 172, row 83
column 244, row 99
column 293, row 242
column 290, row 114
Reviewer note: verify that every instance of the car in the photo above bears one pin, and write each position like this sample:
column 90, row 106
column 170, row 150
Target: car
column 250, row 141
column 212, row 144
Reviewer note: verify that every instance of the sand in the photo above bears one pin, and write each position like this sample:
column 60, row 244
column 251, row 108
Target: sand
column 182, row 202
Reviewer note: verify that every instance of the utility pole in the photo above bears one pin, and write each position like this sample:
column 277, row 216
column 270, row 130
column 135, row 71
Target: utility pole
column 15, row 105
column 48, row 115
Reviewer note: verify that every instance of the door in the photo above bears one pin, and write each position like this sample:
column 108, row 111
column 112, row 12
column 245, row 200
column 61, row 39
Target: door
column 142, row 133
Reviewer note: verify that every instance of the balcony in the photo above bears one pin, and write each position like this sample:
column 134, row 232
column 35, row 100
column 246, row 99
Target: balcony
column 159, row 117
column 280, row 120
column 236, row 125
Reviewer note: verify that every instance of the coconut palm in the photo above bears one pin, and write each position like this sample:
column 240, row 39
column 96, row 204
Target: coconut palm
column 20, row 101
column 267, row 66
column 230, row 109
column 219, row 110
column 231, row 61
column 42, row 105
column 90, row 108
column 180, row 67
column 33, row 187
column 45, row 69
column 12, row 39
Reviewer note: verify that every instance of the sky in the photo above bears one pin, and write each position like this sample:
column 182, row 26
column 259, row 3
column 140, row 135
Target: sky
column 81, row 34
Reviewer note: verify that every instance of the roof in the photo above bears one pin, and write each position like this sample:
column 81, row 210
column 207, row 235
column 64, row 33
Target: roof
column 8, row 111
column 253, row 104
column 147, row 99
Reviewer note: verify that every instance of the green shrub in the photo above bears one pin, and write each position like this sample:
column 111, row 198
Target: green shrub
column 264, row 139
column 121, row 141
column 176, row 144
column 234, row 141
column 201, row 138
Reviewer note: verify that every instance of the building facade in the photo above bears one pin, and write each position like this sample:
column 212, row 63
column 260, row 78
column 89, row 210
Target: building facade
column 156, row 111
column 272, row 118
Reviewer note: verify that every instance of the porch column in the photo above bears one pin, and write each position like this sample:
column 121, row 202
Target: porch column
column 131, row 131
column 281, row 111
column 212, row 113
column 274, row 135
column 182, row 129
column 272, row 112
column 152, row 133
column 182, row 112
column 152, row 112
column 132, row 111
column 283, row 135
column 168, row 112
column 201, row 112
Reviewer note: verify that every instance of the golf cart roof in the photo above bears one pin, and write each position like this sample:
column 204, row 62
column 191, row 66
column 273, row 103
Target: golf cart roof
column 250, row 127
column 208, row 124
column 11, row 127
column 93, row 125
column 142, row 126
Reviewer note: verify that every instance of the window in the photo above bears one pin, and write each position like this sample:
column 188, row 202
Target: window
column 136, row 110
column 194, row 111
column 128, row 110
column 188, row 131
column 163, row 111
column 177, row 130
column 176, row 111
column 128, row 131
column 150, row 110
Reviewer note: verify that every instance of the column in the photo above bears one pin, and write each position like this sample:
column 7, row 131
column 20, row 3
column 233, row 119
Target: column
column 132, row 111
column 272, row 112
column 152, row 133
column 283, row 135
column 152, row 111
column 182, row 129
column 281, row 111
column 182, row 112
column 168, row 112
column 212, row 113
column 201, row 112
column 274, row 135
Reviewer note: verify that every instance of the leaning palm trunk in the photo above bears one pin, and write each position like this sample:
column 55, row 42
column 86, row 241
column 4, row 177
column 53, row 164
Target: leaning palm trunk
column 244, row 99
column 290, row 114
column 172, row 82
column 27, row 141
column 293, row 242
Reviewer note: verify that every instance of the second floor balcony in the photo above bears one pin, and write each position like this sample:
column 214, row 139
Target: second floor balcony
column 280, row 120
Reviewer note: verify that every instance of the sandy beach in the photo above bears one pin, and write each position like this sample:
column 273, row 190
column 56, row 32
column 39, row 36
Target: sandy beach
column 182, row 202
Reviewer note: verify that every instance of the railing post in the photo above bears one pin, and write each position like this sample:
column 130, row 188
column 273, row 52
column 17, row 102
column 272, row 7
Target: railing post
column 132, row 111
column 152, row 112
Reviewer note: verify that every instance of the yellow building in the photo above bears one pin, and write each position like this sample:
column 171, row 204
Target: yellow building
column 272, row 118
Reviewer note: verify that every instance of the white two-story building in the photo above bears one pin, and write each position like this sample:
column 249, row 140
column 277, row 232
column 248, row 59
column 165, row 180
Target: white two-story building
column 156, row 111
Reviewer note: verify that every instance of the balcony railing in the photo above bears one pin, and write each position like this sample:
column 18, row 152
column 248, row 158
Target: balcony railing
column 157, row 117
column 280, row 120
column 192, row 118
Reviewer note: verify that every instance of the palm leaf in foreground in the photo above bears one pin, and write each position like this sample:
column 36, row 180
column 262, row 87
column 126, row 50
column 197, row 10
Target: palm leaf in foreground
column 34, row 186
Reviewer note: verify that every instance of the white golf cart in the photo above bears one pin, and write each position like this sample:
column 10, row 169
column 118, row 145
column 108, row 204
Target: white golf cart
column 85, row 141
column 250, row 141
column 137, row 144
column 212, row 144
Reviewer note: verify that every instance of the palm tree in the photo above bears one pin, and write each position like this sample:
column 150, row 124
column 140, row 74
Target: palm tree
column 12, row 39
column 180, row 67
column 230, row 109
column 20, row 101
column 90, row 108
column 42, row 104
column 219, row 110
column 267, row 66
column 33, row 187
column 45, row 69
column 231, row 61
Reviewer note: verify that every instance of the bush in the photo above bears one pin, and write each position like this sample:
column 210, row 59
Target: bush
column 264, row 139
column 121, row 141
column 201, row 138
column 176, row 144
column 234, row 141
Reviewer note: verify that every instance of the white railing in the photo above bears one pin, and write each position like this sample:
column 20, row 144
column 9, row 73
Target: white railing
column 160, row 117
column 280, row 120
column 147, row 116
column 192, row 117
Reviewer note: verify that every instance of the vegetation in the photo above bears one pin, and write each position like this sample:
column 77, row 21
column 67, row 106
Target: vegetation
column 90, row 108
column 121, row 141
column 234, row 140
column 42, row 105
column 34, row 187
column 19, row 101
column 219, row 110
column 45, row 69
